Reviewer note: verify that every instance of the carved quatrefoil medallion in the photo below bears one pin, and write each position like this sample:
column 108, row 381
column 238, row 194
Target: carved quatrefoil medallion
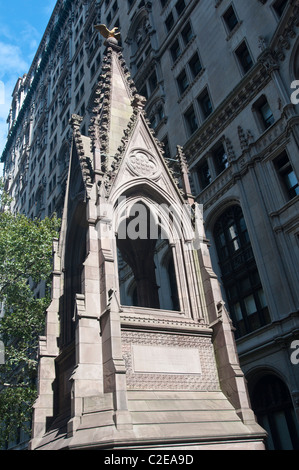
column 143, row 164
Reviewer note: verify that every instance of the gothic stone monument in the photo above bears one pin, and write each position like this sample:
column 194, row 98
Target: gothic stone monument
column 138, row 350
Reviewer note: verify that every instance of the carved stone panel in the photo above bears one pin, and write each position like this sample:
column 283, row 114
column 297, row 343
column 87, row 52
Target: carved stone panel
column 143, row 164
column 161, row 361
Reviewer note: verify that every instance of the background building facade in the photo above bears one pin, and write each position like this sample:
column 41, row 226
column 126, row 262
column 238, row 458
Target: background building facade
column 217, row 76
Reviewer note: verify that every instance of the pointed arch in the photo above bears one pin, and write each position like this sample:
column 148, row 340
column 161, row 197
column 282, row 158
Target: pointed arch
column 173, row 215
column 142, row 245
column 212, row 217
column 272, row 403
column 138, row 32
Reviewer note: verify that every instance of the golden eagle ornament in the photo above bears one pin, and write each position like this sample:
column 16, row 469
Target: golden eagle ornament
column 106, row 33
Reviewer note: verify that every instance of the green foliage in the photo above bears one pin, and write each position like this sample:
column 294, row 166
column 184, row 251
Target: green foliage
column 25, row 264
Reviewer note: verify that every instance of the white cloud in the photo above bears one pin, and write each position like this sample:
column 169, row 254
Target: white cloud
column 5, row 32
column 29, row 36
column 11, row 60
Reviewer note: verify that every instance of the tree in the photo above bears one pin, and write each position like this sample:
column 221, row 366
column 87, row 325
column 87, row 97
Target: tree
column 25, row 280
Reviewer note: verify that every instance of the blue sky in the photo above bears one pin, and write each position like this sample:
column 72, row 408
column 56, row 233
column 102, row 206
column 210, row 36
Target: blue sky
column 22, row 24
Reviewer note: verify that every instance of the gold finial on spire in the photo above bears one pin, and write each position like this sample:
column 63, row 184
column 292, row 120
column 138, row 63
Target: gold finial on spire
column 106, row 33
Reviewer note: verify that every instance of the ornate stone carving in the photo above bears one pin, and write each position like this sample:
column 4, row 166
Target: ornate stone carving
column 206, row 380
column 230, row 150
column 142, row 163
column 262, row 44
column 269, row 61
column 245, row 138
column 85, row 162
column 100, row 122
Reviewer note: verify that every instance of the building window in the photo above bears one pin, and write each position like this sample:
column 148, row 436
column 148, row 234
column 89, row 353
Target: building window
column 244, row 57
column 279, row 7
column 205, row 104
column 241, row 281
column 160, row 113
column 182, row 81
column 169, row 22
column 175, row 50
column 114, row 7
column 153, row 121
column 191, row 120
column 204, row 175
column 180, row 6
column 220, row 158
column 187, row 34
column 156, row 115
column 166, row 147
column 287, row 175
column 266, row 114
column 139, row 63
column 195, row 65
column 144, row 92
column 230, row 18
column 263, row 112
column 273, row 407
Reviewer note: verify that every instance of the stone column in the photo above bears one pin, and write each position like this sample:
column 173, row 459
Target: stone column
column 114, row 370
column 43, row 409
column 87, row 377
column 113, row 363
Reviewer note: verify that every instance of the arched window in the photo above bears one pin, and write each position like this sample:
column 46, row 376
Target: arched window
column 145, row 263
column 240, row 277
column 139, row 32
column 272, row 404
